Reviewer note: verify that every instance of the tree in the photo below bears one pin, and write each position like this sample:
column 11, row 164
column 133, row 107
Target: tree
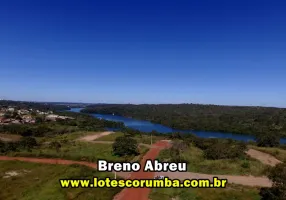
column 277, row 175
column 124, row 146
column 177, row 150
column 2, row 147
column 268, row 140
column 224, row 151
column 56, row 145
column 28, row 142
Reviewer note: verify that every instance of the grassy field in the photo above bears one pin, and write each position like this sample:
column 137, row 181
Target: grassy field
column 197, row 163
column 145, row 139
column 33, row 181
column 75, row 150
column 278, row 153
column 66, row 137
column 232, row 192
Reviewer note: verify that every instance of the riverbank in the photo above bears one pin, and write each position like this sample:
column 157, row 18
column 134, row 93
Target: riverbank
column 146, row 126
column 250, row 120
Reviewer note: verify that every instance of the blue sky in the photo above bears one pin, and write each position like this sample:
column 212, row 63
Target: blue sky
column 211, row 52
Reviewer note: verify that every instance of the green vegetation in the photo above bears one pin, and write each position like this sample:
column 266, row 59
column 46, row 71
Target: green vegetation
column 125, row 146
column 110, row 137
column 268, row 140
column 30, row 181
column 232, row 192
column 73, row 150
column 63, row 138
column 197, row 162
column 81, row 122
column 66, row 147
column 25, row 143
column 278, row 153
column 278, row 190
column 235, row 119
column 32, row 105
column 141, row 138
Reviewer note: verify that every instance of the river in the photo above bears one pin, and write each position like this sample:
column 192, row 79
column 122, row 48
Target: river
column 147, row 126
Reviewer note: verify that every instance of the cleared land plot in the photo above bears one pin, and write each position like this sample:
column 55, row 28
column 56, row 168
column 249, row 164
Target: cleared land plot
column 92, row 137
column 234, row 192
column 197, row 163
column 145, row 139
column 9, row 137
column 264, row 158
column 278, row 153
column 31, row 181
column 66, row 137
column 74, row 150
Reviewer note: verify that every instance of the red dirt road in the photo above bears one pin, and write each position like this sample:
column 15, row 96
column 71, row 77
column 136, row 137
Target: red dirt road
column 142, row 193
column 57, row 161
column 50, row 161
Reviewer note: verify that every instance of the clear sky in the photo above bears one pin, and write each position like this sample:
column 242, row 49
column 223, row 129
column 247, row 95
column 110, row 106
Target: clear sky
column 141, row 51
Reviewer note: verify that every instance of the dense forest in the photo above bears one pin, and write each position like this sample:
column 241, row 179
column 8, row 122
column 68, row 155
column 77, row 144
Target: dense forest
column 235, row 119
column 33, row 105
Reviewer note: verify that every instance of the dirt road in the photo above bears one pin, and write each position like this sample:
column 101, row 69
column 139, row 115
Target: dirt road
column 142, row 193
column 243, row 180
column 89, row 138
column 9, row 137
column 111, row 142
column 263, row 157
column 4, row 139
column 56, row 161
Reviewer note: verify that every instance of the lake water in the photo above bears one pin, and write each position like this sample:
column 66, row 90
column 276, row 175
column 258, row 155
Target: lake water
column 147, row 126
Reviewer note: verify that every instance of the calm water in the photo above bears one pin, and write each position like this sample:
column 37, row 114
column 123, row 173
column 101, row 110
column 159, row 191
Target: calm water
column 147, row 126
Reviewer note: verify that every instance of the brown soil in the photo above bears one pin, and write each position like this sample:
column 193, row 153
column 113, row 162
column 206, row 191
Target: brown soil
column 58, row 162
column 111, row 142
column 142, row 193
column 242, row 180
column 50, row 161
column 9, row 137
column 263, row 157
column 92, row 137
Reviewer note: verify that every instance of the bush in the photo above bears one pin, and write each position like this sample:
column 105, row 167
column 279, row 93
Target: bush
column 28, row 142
column 55, row 145
column 124, row 146
column 245, row 165
column 2, row 147
column 202, row 143
column 9, row 146
column 268, row 140
column 277, row 175
column 270, row 194
column 176, row 151
column 224, row 151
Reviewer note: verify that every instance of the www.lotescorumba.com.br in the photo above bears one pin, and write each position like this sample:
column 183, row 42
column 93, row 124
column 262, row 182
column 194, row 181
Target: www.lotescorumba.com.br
column 143, row 183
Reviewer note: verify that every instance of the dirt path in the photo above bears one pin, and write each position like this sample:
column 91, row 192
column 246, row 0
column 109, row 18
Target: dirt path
column 111, row 142
column 263, row 157
column 9, row 137
column 56, row 161
column 4, row 139
column 89, row 138
column 142, row 193
column 242, row 180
